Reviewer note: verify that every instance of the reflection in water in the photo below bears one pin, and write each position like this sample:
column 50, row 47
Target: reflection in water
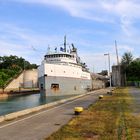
column 13, row 104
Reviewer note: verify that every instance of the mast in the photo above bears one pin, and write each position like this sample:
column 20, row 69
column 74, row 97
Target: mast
column 65, row 43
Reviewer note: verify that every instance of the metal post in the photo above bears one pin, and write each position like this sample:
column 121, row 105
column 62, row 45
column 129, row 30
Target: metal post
column 109, row 68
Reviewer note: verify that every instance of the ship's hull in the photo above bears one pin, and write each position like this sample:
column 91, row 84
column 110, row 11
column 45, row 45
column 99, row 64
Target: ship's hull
column 63, row 79
column 57, row 86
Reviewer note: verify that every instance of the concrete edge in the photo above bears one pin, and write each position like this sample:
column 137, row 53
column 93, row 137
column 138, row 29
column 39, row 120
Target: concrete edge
column 17, row 114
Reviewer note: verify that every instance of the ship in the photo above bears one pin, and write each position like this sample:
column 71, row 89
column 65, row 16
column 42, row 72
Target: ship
column 63, row 73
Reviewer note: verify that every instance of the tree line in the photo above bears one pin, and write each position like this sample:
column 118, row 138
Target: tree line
column 131, row 66
column 11, row 66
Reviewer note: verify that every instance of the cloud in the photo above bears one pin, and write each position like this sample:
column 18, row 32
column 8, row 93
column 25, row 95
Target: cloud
column 125, row 48
column 90, row 8
column 122, row 12
column 26, row 36
column 127, row 13
column 97, row 61
column 24, row 42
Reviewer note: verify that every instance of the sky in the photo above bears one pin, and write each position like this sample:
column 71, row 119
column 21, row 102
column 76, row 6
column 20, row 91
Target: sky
column 28, row 27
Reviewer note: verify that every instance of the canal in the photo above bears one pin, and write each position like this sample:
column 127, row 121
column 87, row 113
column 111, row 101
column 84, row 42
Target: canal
column 13, row 104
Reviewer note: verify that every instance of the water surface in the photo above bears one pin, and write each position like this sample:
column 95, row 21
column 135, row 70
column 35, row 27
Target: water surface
column 13, row 104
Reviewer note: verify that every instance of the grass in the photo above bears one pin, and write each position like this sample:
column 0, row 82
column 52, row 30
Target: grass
column 111, row 118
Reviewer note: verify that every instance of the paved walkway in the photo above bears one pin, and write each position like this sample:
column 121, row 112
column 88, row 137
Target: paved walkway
column 135, row 93
column 43, row 124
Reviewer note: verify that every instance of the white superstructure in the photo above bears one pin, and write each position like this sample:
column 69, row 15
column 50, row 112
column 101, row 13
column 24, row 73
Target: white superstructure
column 63, row 73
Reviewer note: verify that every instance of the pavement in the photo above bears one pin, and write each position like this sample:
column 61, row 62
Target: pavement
column 42, row 124
column 135, row 93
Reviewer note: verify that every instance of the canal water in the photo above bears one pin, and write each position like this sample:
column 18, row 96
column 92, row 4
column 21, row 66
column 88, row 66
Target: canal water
column 13, row 104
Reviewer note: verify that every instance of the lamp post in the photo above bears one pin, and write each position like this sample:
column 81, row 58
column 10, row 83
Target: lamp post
column 107, row 54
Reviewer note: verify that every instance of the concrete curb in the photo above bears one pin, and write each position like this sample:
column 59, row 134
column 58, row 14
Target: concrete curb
column 17, row 114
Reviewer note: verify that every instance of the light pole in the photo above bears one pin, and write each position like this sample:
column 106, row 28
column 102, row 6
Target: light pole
column 107, row 54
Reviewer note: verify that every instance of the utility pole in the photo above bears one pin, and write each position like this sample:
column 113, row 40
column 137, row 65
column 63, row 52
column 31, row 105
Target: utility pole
column 109, row 67
column 117, row 52
column 119, row 68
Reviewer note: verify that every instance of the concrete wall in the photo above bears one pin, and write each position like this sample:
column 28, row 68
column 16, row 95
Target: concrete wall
column 27, row 79
column 30, row 78
column 15, row 83
column 97, row 84
column 118, row 76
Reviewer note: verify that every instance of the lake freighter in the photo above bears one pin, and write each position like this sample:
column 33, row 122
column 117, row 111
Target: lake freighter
column 63, row 73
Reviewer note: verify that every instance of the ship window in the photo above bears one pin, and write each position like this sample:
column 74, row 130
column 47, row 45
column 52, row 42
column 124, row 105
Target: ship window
column 55, row 86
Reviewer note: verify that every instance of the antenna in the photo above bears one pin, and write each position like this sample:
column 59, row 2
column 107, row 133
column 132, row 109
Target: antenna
column 117, row 52
column 65, row 43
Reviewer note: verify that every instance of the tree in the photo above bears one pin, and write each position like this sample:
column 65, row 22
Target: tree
column 11, row 66
column 133, row 71
column 127, row 58
column 15, row 62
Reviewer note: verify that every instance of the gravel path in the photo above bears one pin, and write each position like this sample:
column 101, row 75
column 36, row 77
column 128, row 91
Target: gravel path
column 135, row 93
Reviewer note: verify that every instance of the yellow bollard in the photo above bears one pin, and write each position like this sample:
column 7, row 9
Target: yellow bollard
column 78, row 110
column 101, row 96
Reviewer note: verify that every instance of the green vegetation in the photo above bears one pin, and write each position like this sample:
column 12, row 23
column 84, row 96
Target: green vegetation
column 11, row 66
column 127, row 58
column 133, row 71
column 131, row 67
column 109, row 119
